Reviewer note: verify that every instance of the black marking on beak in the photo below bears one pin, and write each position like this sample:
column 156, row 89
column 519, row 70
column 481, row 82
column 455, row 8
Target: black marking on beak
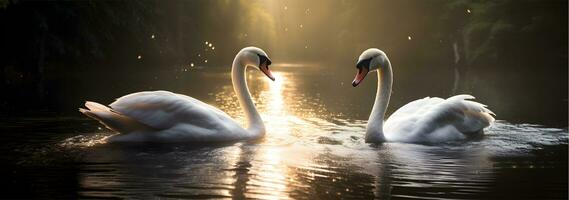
column 264, row 63
column 264, row 60
column 364, row 64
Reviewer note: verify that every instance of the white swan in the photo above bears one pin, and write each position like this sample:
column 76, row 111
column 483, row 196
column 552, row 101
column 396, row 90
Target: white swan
column 424, row 120
column 162, row 116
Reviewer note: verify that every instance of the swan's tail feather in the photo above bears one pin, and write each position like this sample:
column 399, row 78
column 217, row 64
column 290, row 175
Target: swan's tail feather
column 480, row 107
column 111, row 119
column 89, row 113
column 472, row 104
column 94, row 106
column 461, row 97
column 486, row 110
column 477, row 116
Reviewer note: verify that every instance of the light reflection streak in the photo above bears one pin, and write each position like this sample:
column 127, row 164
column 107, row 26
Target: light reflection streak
column 276, row 99
column 275, row 114
column 272, row 172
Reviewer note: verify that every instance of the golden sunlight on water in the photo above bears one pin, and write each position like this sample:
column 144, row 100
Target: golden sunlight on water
column 284, row 111
column 276, row 101
column 271, row 180
column 275, row 112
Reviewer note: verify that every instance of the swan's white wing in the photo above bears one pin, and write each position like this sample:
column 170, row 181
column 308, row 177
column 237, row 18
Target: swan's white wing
column 468, row 116
column 402, row 123
column 415, row 107
column 435, row 119
column 164, row 110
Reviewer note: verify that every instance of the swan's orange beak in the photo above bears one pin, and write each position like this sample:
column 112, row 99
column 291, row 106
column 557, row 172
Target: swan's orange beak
column 264, row 67
column 362, row 72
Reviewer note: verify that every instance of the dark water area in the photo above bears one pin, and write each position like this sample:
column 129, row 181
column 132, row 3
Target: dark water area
column 314, row 149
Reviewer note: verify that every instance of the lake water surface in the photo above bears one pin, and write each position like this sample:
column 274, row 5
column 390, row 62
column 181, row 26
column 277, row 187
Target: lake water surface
column 313, row 149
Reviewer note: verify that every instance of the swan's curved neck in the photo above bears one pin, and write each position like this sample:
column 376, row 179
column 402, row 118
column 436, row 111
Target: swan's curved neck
column 255, row 124
column 374, row 132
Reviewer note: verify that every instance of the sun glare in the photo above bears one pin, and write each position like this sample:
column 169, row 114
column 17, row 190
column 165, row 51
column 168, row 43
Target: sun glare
column 276, row 104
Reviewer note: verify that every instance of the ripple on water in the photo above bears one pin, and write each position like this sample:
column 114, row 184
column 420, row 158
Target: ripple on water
column 316, row 159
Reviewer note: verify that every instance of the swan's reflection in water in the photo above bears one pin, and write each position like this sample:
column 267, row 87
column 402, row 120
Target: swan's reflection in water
column 308, row 153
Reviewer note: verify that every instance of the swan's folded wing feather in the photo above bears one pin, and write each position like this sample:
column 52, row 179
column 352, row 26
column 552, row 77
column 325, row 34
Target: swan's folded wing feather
column 436, row 119
column 414, row 108
column 405, row 119
column 465, row 115
column 163, row 110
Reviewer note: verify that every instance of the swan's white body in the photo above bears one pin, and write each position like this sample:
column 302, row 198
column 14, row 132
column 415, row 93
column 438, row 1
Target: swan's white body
column 162, row 116
column 424, row 120
column 437, row 120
